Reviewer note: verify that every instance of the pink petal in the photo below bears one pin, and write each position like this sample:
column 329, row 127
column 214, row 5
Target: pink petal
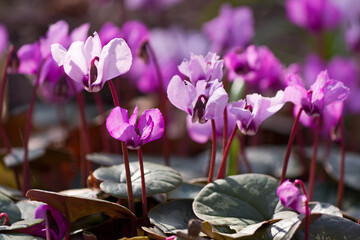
column 158, row 123
column 180, row 94
column 75, row 63
column 115, row 59
column 58, row 53
column 216, row 103
column 80, row 33
column 133, row 117
column 198, row 132
column 92, row 48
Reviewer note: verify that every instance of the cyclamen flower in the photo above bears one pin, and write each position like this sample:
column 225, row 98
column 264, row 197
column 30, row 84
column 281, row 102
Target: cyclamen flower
column 90, row 64
column 314, row 15
column 258, row 66
column 252, row 111
column 149, row 128
column 223, row 31
column 206, row 68
column 203, row 101
column 57, row 222
column 290, row 198
column 108, row 32
column 201, row 133
column 323, row 92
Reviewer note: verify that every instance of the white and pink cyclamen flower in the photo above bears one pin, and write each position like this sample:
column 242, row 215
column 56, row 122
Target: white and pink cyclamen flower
column 90, row 64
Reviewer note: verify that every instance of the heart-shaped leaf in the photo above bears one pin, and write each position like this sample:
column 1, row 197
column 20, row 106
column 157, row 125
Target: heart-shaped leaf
column 331, row 227
column 22, row 225
column 75, row 208
column 11, row 192
column 158, row 179
column 10, row 208
column 173, row 216
column 28, row 208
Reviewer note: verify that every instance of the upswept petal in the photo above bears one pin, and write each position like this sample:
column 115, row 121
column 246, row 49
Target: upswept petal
column 243, row 116
column 198, row 132
column 145, row 133
column 264, row 107
column 299, row 204
column 92, row 48
column 30, row 58
column 197, row 68
column 58, row 52
column 335, row 91
column 180, row 94
column 133, row 117
column 184, row 68
column 295, row 91
column 117, row 115
column 80, row 33
column 158, row 124
column 75, row 62
column 216, row 103
column 115, row 59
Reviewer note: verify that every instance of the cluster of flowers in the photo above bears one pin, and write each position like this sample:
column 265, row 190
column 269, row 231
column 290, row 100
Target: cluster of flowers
column 67, row 63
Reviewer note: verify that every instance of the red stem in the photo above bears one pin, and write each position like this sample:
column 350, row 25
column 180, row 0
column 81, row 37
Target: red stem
column 26, row 168
column 288, row 150
column 213, row 152
column 7, row 219
column 221, row 172
column 307, row 209
column 104, row 137
column 163, row 102
column 342, row 166
column 225, row 130
column 48, row 234
column 143, row 185
column 314, row 157
column 128, row 177
column 125, row 155
column 2, row 93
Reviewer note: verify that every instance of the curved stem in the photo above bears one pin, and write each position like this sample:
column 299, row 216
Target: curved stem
column 225, row 129
column 143, row 185
column 288, row 149
column 314, row 157
column 213, row 152
column 7, row 219
column 162, row 100
column 125, row 155
column 307, row 209
column 48, row 234
column 342, row 165
column 221, row 172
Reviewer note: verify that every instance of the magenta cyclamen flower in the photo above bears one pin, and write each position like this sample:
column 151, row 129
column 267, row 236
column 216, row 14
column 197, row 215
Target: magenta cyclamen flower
column 91, row 65
column 290, row 198
column 223, row 31
column 149, row 128
column 322, row 92
column 314, row 15
column 258, row 66
column 252, row 111
column 57, row 222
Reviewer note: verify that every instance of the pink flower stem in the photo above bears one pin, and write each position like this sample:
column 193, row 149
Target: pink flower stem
column 125, row 155
column 2, row 93
column 342, row 165
column 7, row 219
column 26, row 168
column 213, row 152
column 143, row 185
column 288, row 150
column 104, row 138
column 162, row 100
column 314, row 157
column 85, row 135
column 225, row 129
column 222, row 169
column 307, row 209
column 48, row 234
